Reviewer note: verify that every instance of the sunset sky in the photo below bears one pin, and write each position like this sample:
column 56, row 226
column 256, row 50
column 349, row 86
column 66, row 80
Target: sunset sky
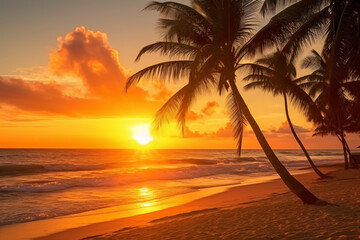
column 63, row 65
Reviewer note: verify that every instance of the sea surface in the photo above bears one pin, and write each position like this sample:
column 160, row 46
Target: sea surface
column 46, row 183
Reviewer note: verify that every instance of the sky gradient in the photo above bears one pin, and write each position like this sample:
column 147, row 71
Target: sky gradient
column 63, row 66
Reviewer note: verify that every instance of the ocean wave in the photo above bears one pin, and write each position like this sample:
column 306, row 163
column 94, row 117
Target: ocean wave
column 26, row 169
column 194, row 161
column 112, row 179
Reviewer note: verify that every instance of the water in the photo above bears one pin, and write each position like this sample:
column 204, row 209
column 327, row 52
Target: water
column 37, row 184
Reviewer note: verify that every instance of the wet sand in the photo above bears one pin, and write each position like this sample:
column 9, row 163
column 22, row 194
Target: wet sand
column 256, row 211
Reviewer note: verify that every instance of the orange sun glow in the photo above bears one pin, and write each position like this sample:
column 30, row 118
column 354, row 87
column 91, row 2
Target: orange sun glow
column 141, row 133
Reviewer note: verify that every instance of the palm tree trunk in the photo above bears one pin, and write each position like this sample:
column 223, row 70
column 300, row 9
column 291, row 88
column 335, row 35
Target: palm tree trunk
column 318, row 172
column 295, row 186
column 344, row 150
column 352, row 161
column 342, row 140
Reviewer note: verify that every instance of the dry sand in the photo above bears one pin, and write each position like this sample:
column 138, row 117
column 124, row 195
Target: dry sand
column 257, row 211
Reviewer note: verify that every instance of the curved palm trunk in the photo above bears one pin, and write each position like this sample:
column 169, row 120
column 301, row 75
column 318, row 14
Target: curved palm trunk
column 345, row 156
column 318, row 172
column 346, row 149
column 352, row 161
column 295, row 186
column 342, row 140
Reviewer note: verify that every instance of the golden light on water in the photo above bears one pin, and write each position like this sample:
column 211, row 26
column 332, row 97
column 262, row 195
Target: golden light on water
column 146, row 204
column 141, row 133
column 145, row 192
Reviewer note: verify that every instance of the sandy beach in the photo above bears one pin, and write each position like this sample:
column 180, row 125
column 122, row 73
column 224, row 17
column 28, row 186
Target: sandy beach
column 255, row 211
column 180, row 120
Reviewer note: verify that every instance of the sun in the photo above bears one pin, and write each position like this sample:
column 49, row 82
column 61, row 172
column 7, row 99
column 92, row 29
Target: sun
column 141, row 133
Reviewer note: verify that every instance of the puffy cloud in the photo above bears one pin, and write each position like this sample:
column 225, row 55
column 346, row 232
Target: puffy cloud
column 190, row 134
column 88, row 57
column 193, row 116
column 209, row 108
column 285, row 128
column 226, row 131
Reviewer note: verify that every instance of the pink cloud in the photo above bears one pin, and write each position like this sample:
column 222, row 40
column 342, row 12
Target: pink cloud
column 87, row 56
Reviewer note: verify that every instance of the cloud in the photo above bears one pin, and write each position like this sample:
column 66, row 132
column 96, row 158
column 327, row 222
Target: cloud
column 190, row 134
column 162, row 93
column 88, row 57
column 193, row 116
column 285, row 129
column 226, row 131
column 209, row 108
column 33, row 96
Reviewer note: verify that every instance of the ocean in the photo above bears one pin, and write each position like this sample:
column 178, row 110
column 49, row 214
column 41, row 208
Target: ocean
column 46, row 183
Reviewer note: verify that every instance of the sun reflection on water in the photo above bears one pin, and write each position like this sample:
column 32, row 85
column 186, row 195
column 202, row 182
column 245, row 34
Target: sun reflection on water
column 147, row 204
column 146, row 195
column 145, row 191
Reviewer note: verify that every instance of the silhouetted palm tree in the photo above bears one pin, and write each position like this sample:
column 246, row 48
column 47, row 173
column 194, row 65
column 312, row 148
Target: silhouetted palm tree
column 209, row 36
column 300, row 22
column 344, row 114
column 274, row 74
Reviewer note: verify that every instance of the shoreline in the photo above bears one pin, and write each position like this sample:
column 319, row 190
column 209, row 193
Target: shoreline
column 246, row 193
column 258, row 211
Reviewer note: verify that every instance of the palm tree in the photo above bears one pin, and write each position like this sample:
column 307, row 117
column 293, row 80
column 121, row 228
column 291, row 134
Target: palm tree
column 210, row 36
column 300, row 22
column 343, row 118
column 272, row 73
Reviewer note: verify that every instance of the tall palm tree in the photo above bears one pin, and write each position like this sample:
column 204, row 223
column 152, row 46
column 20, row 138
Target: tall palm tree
column 210, row 36
column 274, row 74
column 343, row 118
column 300, row 22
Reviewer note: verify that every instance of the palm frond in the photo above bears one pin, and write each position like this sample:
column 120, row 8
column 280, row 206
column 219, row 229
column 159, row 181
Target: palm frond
column 170, row 49
column 282, row 26
column 314, row 61
column 270, row 6
column 255, row 68
column 165, row 70
column 168, row 110
column 200, row 81
column 237, row 119
column 307, row 33
column 304, row 102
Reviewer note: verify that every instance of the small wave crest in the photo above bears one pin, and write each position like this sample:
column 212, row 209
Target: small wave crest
column 26, row 169
column 112, row 179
